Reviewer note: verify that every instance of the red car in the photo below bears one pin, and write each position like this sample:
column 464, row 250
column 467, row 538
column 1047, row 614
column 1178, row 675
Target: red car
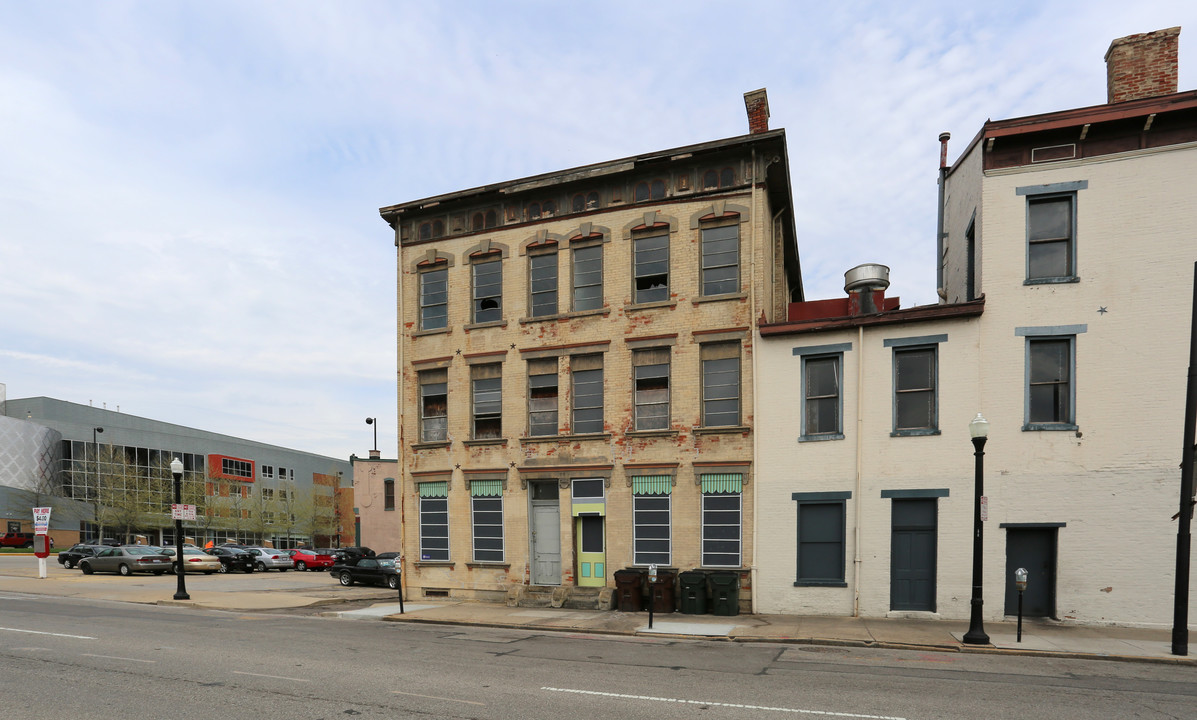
column 309, row 559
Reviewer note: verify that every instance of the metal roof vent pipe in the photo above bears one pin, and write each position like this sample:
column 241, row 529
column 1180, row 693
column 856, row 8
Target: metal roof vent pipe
column 865, row 285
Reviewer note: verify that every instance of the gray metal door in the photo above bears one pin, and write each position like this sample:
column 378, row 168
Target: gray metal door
column 1035, row 550
column 546, row 544
column 912, row 554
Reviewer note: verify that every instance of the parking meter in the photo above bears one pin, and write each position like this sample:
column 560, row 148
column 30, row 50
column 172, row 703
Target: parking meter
column 1020, row 582
column 652, row 580
column 41, row 550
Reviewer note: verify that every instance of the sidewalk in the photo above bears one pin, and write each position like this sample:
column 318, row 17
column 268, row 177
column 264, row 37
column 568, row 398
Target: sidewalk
column 1041, row 638
column 1038, row 637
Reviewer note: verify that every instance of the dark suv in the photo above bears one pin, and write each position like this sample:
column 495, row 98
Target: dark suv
column 232, row 558
column 70, row 557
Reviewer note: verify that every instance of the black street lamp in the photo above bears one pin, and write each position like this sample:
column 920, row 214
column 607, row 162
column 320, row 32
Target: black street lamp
column 95, row 446
column 374, row 421
column 176, row 469
column 979, row 430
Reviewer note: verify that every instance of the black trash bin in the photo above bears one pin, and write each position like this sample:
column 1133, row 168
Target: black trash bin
column 629, row 590
column 725, row 593
column 662, row 593
column 692, row 586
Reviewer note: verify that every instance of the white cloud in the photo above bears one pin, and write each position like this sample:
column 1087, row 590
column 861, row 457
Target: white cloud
column 189, row 192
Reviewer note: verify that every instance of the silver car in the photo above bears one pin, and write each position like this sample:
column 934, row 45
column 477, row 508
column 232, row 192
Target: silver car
column 270, row 559
column 126, row 560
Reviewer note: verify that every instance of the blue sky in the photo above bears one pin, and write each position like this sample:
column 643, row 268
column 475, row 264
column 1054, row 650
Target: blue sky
column 189, row 190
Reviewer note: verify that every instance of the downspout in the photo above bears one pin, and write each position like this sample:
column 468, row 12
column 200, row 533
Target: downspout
column 752, row 573
column 860, row 362
column 939, row 235
column 402, row 445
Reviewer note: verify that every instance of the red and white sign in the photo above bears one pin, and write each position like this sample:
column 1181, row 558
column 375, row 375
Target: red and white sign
column 182, row 512
column 984, row 509
column 41, row 521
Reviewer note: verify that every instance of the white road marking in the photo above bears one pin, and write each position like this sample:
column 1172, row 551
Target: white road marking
column 38, row 632
column 114, row 657
column 435, row 697
column 275, row 677
column 726, row 705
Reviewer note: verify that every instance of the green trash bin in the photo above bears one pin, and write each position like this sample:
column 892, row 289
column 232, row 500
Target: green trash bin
column 629, row 590
column 725, row 593
column 693, row 588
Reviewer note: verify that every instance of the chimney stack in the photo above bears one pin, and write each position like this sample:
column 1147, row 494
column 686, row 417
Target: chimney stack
column 757, row 104
column 1142, row 66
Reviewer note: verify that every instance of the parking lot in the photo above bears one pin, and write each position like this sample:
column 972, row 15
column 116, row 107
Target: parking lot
column 228, row 590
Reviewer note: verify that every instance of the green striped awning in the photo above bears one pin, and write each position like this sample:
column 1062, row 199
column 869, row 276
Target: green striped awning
column 729, row 482
column 652, row 484
column 434, row 489
column 486, row 488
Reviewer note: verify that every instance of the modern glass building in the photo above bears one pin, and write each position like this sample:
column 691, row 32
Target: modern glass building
column 107, row 474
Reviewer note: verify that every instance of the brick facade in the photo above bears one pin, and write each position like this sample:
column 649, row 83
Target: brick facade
column 488, row 350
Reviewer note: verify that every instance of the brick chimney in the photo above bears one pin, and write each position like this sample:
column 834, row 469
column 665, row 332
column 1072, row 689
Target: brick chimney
column 1142, row 66
column 757, row 104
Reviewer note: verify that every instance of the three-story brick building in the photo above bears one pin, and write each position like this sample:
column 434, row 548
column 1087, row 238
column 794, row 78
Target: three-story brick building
column 577, row 365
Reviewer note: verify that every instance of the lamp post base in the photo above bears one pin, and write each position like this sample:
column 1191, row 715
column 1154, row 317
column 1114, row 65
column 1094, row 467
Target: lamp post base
column 976, row 628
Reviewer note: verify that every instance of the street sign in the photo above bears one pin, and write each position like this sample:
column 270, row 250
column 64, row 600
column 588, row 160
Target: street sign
column 41, row 520
column 182, row 512
column 984, row 509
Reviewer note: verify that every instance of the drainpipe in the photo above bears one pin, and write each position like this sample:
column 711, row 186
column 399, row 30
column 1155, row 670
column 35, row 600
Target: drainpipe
column 752, row 574
column 939, row 235
column 402, row 445
column 860, row 362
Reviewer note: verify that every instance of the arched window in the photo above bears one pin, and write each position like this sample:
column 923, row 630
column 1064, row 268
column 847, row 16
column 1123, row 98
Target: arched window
column 426, row 231
column 476, row 222
column 549, row 207
column 658, row 189
column 534, row 211
column 641, row 193
column 491, row 219
column 438, row 228
column 592, row 201
column 578, row 204
column 710, row 179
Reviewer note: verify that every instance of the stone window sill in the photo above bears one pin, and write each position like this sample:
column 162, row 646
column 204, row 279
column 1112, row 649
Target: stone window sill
column 436, row 331
column 492, row 324
column 719, row 298
column 484, row 441
column 651, row 433
column 725, row 430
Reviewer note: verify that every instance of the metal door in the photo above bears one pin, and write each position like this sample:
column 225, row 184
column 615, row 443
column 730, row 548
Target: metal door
column 546, row 544
column 1035, row 550
column 912, row 554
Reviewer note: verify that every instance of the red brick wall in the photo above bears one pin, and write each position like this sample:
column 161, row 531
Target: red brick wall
column 1142, row 66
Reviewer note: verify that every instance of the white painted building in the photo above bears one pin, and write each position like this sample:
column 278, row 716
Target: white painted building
column 1077, row 233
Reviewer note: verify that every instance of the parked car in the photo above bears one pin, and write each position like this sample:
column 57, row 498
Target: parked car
column 196, row 560
column 367, row 570
column 387, row 555
column 126, row 560
column 19, row 539
column 350, row 553
column 107, row 542
column 70, row 557
column 310, row 559
column 233, row 558
column 271, row 559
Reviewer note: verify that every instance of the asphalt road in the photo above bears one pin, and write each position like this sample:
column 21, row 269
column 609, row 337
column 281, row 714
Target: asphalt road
column 66, row 658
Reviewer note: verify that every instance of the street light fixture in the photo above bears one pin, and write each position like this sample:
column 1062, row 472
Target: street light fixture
column 979, row 430
column 374, row 421
column 176, row 469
